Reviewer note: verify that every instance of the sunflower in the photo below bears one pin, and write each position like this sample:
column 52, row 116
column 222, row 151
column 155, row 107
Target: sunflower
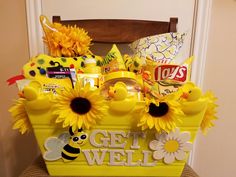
column 161, row 114
column 21, row 119
column 79, row 107
column 209, row 116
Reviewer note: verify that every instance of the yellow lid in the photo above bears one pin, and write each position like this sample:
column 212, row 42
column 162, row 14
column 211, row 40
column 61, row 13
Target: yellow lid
column 119, row 74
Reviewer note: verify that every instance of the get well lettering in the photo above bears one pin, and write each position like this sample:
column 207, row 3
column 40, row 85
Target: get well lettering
column 111, row 147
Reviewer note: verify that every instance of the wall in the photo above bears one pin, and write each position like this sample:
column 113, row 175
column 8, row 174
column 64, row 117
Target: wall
column 215, row 153
column 16, row 151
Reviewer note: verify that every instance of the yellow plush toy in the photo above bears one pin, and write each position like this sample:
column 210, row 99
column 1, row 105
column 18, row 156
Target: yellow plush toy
column 38, row 65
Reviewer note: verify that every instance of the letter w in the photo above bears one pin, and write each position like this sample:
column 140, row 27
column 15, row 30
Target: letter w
column 96, row 157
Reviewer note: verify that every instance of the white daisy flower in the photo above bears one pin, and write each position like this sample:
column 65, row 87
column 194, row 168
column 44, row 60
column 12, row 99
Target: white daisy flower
column 171, row 146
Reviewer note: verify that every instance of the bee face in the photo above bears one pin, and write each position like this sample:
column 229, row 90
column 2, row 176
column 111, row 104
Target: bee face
column 79, row 138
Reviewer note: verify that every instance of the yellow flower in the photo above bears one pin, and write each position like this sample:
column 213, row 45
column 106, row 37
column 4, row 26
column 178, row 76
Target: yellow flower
column 21, row 119
column 79, row 107
column 209, row 116
column 65, row 41
column 161, row 114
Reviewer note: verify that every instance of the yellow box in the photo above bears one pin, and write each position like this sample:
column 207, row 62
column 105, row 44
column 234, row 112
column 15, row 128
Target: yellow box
column 120, row 148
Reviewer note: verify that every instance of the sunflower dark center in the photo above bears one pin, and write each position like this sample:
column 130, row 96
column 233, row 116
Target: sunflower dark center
column 158, row 111
column 80, row 105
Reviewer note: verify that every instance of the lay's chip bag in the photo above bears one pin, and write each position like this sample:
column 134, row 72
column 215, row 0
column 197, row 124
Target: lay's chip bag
column 168, row 76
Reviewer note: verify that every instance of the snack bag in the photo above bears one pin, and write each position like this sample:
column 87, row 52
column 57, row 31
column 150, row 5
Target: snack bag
column 164, row 79
column 162, row 48
column 172, row 72
column 113, row 61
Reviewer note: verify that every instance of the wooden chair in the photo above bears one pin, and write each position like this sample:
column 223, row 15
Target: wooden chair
column 112, row 31
column 120, row 31
column 104, row 32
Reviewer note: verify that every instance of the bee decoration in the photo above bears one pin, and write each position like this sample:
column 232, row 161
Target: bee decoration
column 65, row 146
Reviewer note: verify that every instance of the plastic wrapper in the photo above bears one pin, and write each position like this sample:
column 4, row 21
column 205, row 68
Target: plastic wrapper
column 46, row 84
column 162, row 79
column 161, row 48
column 113, row 61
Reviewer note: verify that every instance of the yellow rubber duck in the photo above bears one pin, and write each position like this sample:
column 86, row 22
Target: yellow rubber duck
column 35, row 100
column 120, row 100
column 191, row 99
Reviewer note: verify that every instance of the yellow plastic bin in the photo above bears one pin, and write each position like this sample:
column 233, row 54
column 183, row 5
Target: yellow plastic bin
column 114, row 147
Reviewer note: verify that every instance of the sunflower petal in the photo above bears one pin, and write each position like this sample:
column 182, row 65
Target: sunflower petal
column 20, row 116
column 62, row 109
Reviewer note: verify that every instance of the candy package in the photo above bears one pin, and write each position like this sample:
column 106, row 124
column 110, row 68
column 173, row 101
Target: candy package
column 113, row 61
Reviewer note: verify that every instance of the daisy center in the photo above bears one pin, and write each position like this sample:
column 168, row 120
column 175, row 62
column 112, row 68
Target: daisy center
column 80, row 105
column 158, row 111
column 171, row 146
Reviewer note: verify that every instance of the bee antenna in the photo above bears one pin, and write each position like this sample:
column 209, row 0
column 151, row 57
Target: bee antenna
column 80, row 130
column 71, row 131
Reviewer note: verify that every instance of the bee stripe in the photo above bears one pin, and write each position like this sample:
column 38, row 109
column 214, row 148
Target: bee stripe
column 71, row 149
column 70, row 154
column 67, row 157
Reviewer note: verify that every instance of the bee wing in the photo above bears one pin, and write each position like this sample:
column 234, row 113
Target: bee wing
column 53, row 147
column 64, row 137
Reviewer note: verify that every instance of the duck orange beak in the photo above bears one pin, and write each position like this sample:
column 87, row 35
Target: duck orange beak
column 111, row 92
column 21, row 94
column 185, row 95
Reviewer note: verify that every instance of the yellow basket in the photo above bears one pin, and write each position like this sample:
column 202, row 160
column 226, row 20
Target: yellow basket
column 113, row 130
